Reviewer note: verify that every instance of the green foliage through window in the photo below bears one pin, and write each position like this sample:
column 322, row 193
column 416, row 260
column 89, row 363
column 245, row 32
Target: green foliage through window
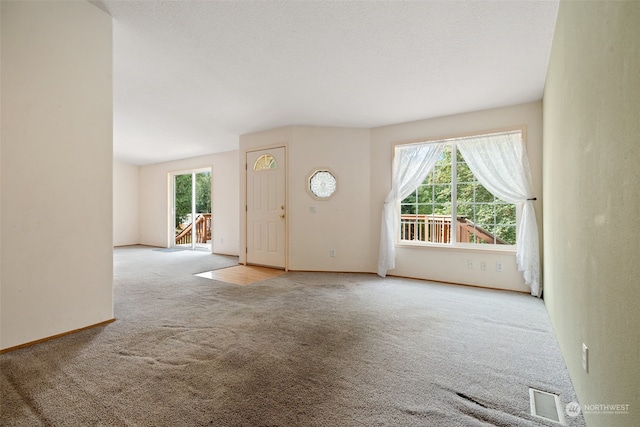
column 183, row 196
column 480, row 217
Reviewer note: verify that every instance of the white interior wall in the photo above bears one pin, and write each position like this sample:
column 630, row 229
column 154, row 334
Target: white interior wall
column 56, row 101
column 349, row 222
column 155, row 199
column 340, row 222
column 125, row 203
column 450, row 265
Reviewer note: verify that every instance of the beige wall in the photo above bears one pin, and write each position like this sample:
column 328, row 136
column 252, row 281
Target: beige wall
column 56, row 256
column 125, row 203
column 450, row 265
column 592, row 201
column 155, row 198
column 340, row 222
column 349, row 222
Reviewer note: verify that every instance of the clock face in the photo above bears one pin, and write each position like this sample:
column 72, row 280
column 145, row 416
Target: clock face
column 322, row 184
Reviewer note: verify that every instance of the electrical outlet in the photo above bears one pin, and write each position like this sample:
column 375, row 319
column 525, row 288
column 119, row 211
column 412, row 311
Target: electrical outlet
column 499, row 266
column 585, row 358
column 470, row 264
column 483, row 265
column 332, row 253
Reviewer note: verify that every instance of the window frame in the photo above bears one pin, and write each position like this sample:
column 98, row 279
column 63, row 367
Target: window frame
column 454, row 245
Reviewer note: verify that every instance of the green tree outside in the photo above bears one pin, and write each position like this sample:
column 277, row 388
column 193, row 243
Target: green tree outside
column 203, row 192
column 183, row 194
column 474, row 202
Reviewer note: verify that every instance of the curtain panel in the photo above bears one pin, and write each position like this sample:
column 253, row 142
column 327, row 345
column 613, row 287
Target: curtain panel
column 500, row 163
column 411, row 165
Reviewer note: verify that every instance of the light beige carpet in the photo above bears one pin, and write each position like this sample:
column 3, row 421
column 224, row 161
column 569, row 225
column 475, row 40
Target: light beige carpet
column 300, row 349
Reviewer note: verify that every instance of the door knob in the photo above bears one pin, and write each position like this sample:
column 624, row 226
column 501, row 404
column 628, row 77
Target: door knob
column 281, row 215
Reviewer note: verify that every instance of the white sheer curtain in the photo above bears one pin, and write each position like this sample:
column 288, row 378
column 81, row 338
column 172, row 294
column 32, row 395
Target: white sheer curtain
column 411, row 165
column 500, row 163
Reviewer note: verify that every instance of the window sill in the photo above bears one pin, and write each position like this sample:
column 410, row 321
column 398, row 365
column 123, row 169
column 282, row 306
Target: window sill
column 501, row 249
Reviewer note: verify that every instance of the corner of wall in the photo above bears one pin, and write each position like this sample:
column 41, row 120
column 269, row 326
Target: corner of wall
column 126, row 200
column 56, row 179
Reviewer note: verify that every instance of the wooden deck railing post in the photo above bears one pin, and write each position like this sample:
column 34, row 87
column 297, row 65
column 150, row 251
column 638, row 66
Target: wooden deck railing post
column 202, row 225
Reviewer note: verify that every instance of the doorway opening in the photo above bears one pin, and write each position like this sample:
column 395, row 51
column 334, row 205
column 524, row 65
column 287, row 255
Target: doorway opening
column 192, row 223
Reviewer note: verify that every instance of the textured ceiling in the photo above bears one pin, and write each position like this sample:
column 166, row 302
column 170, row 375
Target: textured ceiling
column 191, row 76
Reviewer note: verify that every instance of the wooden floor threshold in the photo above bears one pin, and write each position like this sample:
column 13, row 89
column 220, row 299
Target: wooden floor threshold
column 242, row 274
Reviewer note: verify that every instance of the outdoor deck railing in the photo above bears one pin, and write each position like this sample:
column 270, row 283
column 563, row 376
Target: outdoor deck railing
column 203, row 230
column 437, row 229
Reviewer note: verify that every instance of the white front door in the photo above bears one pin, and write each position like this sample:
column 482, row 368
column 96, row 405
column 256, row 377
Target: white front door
column 266, row 207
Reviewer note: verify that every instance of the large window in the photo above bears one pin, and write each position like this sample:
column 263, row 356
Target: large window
column 451, row 206
column 463, row 191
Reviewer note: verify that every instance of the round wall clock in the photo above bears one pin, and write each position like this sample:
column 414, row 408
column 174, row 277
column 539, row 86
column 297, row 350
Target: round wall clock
column 322, row 184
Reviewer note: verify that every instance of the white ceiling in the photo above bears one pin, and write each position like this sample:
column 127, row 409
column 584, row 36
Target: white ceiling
column 191, row 76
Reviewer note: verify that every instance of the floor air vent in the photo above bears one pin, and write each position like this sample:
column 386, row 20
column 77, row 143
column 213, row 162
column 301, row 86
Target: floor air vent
column 546, row 405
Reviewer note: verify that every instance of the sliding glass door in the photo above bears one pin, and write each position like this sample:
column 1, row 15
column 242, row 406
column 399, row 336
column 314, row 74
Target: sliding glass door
column 192, row 210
